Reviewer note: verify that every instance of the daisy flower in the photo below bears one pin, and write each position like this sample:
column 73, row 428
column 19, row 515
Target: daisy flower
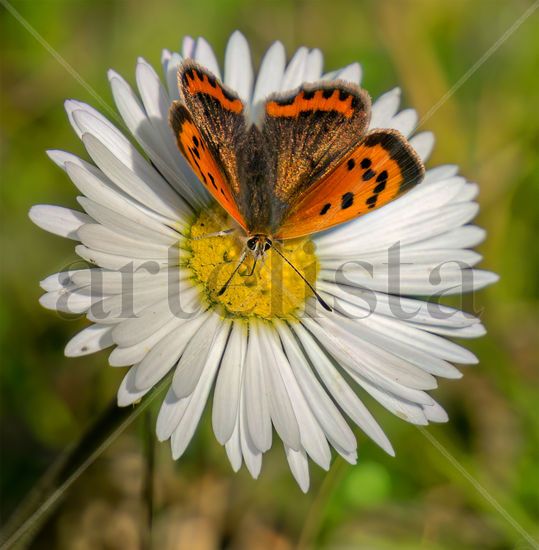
column 275, row 360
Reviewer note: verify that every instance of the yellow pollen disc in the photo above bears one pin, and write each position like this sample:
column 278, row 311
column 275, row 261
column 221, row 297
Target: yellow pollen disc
column 274, row 290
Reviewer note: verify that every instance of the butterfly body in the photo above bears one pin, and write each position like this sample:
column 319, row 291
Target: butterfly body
column 308, row 165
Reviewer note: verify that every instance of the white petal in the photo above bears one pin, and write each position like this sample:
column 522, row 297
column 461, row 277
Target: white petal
column 348, row 352
column 90, row 340
column 293, row 75
column 139, row 180
column 423, row 143
column 227, row 393
column 404, row 122
column 435, row 413
column 418, row 311
column 299, row 466
column 133, row 330
column 188, row 46
column 171, row 412
column 351, row 73
column 169, row 162
column 313, row 69
column 269, row 78
column 58, row 220
column 171, row 74
column 251, row 455
column 156, row 103
column 411, row 412
column 341, row 391
column 68, row 301
column 125, row 356
column 122, row 282
column 256, row 393
column 238, row 66
column 128, row 227
column 116, row 261
column 97, row 187
column 193, row 361
column 71, row 106
column 99, row 237
column 384, row 108
column 281, row 411
column 205, row 56
column 312, row 436
column 330, row 419
column 186, row 428
column 128, row 392
column 58, row 281
column 162, row 357
column 233, row 448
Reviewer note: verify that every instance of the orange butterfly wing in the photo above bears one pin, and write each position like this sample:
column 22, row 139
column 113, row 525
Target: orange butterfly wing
column 378, row 170
column 207, row 123
column 196, row 152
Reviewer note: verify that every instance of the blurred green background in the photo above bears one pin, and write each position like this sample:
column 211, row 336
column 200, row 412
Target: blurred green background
column 418, row 499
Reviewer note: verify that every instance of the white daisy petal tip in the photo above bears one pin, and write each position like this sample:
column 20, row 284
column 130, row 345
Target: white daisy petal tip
column 111, row 74
column 302, row 381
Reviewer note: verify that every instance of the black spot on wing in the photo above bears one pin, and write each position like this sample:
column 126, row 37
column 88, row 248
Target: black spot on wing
column 368, row 175
column 347, row 200
column 380, row 187
column 382, row 176
column 325, row 208
column 372, row 199
column 351, row 164
column 366, row 163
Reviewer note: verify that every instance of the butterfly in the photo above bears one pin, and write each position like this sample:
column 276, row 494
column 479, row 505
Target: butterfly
column 309, row 164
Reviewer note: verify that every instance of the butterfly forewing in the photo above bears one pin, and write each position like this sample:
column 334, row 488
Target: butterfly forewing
column 208, row 123
column 197, row 153
column 375, row 172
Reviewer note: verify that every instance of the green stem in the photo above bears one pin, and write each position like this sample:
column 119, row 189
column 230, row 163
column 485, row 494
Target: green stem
column 42, row 500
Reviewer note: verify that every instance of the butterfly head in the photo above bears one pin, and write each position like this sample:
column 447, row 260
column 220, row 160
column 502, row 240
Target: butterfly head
column 258, row 245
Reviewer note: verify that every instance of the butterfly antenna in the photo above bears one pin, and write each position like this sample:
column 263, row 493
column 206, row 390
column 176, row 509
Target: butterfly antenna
column 318, row 297
column 240, row 261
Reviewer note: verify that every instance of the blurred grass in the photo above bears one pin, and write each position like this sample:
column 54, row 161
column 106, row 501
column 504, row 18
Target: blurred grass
column 489, row 127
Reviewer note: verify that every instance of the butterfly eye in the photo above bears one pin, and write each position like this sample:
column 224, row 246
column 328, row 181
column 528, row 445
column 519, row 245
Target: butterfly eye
column 251, row 243
column 267, row 245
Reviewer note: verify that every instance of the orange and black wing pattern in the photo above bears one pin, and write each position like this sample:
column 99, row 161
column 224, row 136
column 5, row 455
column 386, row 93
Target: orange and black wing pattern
column 208, row 123
column 380, row 168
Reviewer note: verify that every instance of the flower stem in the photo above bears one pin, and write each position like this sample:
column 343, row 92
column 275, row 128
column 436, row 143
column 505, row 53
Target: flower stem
column 49, row 490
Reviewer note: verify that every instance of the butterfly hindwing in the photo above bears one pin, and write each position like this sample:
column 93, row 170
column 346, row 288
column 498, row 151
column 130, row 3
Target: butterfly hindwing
column 208, row 123
column 376, row 171
column 308, row 131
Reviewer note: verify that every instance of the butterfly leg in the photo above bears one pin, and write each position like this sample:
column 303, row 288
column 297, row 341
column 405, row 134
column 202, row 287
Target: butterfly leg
column 238, row 265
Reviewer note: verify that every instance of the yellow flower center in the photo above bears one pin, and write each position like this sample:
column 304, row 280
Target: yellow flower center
column 272, row 290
